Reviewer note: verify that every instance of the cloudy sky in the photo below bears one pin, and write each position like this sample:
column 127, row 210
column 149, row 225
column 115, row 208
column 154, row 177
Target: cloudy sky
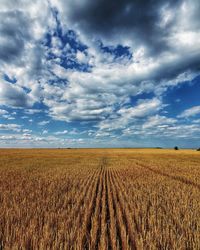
column 84, row 73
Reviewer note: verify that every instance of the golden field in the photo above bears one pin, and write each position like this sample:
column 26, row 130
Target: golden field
column 99, row 199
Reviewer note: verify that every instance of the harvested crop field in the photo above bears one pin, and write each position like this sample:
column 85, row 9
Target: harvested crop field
column 99, row 199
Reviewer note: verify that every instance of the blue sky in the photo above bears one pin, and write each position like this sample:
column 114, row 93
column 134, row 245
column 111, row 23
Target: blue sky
column 128, row 76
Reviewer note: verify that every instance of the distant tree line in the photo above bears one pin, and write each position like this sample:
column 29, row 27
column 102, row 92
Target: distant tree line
column 176, row 148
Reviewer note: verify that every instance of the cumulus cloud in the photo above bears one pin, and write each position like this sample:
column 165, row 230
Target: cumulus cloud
column 182, row 131
column 190, row 112
column 31, row 111
column 45, row 132
column 158, row 121
column 27, row 140
column 152, row 31
column 12, row 127
column 88, row 62
column 162, row 28
column 43, row 123
column 23, row 25
column 3, row 112
column 163, row 58
column 13, row 95
column 64, row 132
column 143, row 108
column 128, row 115
column 14, row 29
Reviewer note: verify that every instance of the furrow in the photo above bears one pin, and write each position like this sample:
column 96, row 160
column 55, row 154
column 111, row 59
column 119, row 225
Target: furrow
column 94, row 228
column 120, row 227
column 112, row 214
column 86, row 223
column 176, row 223
column 125, row 212
column 172, row 177
column 79, row 219
column 81, row 199
column 108, row 215
column 103, row 237
column 122, row 186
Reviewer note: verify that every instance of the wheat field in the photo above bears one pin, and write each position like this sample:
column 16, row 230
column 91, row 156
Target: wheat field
column 99, row 199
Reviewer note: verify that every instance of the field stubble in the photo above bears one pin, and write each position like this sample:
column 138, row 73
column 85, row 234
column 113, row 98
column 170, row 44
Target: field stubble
column 99, row 199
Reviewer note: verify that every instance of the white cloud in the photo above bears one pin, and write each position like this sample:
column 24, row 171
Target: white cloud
column 103, row 95
column 190, row 112
column 196, row 121
column 7, row 137
column 13, row 95
column 163, row 128
column 143, row 108
column 32, row 111
column 64, row 132
column 27, row 131
column 158, row 121
column 43, row 123
column 127, row 115
column 12, row 127
column 109, row 84
column 81, row 57
column 8, row 117
column 87, row 95
column 3, row 112
column 182, row 131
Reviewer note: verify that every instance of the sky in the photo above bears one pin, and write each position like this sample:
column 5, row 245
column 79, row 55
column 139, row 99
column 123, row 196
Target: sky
column 84, row 73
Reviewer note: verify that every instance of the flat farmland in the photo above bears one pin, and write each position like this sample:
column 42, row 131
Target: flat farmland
column 99, row 199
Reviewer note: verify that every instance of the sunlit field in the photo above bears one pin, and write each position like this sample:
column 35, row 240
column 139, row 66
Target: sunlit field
column 99, row 199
